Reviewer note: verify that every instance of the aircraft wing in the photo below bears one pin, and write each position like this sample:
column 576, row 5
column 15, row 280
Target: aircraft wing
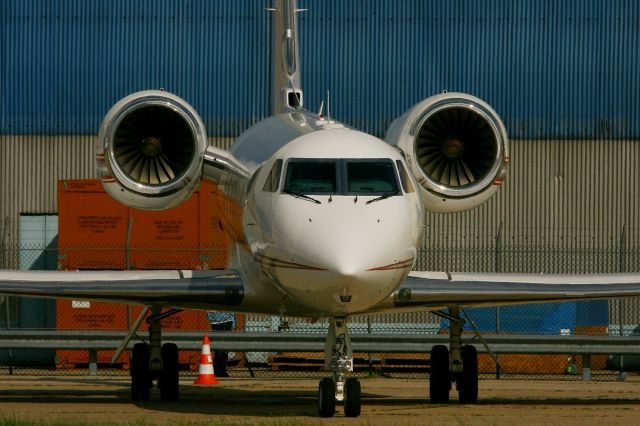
column 216, row 289
column 441, row 289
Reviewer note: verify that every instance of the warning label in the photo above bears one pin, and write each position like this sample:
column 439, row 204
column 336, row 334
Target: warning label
column 169, row 230
column 98, row 224
column 94, row 320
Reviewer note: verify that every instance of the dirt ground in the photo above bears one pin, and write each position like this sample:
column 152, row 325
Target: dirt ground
column 280, row 401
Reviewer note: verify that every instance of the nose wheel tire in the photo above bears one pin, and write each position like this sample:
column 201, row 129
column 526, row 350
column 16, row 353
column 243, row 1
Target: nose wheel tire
column 169, row 378
column 327, row 397
column 439, row 381
column 352, row 397
column 467, row 382
column 140, row 375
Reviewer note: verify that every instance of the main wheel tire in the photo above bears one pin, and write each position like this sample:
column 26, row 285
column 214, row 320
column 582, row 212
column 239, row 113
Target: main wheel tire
column 352, row 397
column 439, row 381
column 327, row 397
column 140, row 377
column 169, row 378
column 467, row 383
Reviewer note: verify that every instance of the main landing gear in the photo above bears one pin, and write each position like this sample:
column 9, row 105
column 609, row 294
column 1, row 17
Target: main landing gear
column 154, row 361
column 338, row 358
column 460, row 366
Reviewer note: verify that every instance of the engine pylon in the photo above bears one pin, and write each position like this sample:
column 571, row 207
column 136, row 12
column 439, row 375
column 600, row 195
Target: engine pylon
column 206, row 375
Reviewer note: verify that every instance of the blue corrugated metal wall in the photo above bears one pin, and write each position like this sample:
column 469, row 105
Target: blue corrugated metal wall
column 553, row 69
column 66, row 62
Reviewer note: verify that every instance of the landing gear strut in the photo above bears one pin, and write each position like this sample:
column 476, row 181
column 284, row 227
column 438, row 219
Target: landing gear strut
column 338, row 358
column 460, row 366
column 154, row 361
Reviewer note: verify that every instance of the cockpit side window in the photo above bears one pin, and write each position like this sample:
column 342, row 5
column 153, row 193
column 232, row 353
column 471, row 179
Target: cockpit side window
column 273, row 180
column 311, row 176
column 373, row 177
column 404, row 178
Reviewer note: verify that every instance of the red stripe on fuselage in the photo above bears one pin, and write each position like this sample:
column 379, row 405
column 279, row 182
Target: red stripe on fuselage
column 398, row 265
column 278, row 263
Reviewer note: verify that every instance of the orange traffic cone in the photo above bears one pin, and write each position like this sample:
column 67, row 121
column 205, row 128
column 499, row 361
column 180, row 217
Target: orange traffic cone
column 205, row 373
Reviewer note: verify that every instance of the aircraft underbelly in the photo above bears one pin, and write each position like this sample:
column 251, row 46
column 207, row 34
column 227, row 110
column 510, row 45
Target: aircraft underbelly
column 334, row 293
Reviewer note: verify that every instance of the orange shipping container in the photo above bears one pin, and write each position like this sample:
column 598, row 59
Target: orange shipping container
column 92, row 227
column 83, row 315
column 93, row 235
column 167, row 239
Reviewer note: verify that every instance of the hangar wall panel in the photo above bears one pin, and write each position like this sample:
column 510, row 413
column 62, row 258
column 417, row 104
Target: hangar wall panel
column 31, row 165
column 562, row 74
column 30, row 168
column 565, row 206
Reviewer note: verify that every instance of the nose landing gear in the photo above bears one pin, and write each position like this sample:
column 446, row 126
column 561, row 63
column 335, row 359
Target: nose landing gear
column 339, row 360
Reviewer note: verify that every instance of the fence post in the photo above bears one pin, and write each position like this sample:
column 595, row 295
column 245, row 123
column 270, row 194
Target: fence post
column 497, row 332
column 127, row 242
column 621, row 251
column 497, row 258
column 3, row 262
column 369, row 354
column 7, row 305
column 498, row 268
column 621, row 268
column 5, row 225
column 93, row 362
column 586, row 367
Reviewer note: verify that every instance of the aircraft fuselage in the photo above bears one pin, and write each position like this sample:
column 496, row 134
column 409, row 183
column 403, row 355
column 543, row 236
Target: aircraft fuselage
column 329, row 217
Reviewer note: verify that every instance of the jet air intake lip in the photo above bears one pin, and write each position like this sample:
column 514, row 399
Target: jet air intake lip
column 153, row 144
column 458, row 147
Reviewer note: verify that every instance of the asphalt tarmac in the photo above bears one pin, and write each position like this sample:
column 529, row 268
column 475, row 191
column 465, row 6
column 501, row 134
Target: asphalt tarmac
column 284, row 401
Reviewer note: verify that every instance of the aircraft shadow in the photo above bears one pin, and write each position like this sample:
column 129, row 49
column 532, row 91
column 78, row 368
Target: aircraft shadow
column 220, row 400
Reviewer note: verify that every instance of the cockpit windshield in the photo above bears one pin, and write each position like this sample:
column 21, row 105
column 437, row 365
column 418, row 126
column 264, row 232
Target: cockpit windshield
column 342, row 177
column 371, row 177
column 311, row 177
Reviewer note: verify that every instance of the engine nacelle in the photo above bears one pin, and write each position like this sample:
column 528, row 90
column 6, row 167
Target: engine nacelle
column 150, row 150
column 457, row 148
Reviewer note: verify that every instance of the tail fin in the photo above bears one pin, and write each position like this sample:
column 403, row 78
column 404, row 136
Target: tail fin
column 286, row 89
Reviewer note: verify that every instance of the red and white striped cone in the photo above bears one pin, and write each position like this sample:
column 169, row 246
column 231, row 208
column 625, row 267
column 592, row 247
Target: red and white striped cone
column 205, row 373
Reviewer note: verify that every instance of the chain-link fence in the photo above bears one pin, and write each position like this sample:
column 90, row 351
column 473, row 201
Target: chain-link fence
column 607, row 317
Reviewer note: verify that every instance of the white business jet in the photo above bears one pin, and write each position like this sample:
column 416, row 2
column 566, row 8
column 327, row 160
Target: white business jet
column 325, row 222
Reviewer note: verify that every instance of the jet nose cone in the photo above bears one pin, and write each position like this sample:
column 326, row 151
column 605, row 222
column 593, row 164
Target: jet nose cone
column 357, row 253
column 349, row 280
column 343, row 264
column 349, row 258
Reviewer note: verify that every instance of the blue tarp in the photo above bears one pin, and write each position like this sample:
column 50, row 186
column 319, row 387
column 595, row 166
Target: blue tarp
column 546, row 318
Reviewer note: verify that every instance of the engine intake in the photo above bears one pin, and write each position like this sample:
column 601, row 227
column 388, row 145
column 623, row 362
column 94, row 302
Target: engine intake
column 457, row 149
column 150, row 150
